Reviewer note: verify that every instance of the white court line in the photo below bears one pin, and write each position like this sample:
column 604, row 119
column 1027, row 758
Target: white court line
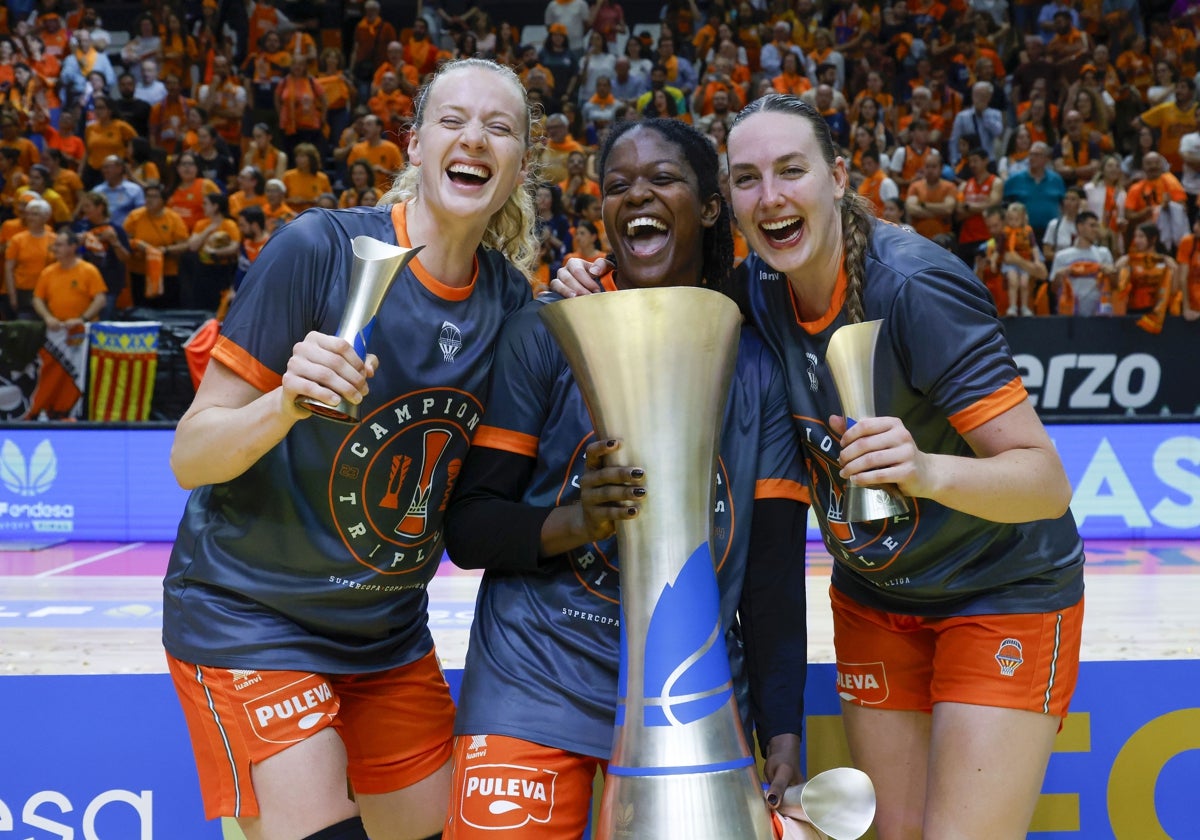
column 102, row 555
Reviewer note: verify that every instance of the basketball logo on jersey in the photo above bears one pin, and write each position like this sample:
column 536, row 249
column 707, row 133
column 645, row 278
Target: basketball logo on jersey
column 866, row 546
column 506, row 796
column 449, row 341
column 393, row 476
column 1009, row 657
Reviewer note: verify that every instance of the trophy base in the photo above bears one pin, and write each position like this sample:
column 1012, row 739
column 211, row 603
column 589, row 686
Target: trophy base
column 722, row 805
column 866, row 504
column 343, row 412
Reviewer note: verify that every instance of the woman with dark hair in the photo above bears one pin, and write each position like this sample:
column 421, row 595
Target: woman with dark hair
column 300, row 103
column 261, row 153
column 214, row 245
column 106, row 136
column 1145, row 277
column 361, row 192
column 189, row 189
column 669, row 226
column 339, row 90
column 214, row 158
column 105, row 246
column 557, row 56
column 251, row 190
column 969, row 606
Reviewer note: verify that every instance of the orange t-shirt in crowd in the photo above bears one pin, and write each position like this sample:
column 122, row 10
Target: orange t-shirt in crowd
column 304, row 187
column 188, row 201
column 68, row 185
column 165, row 229
column 935, row 194
column 67, row 292
column 105, row 140
column 239, row 201
column 387, row 155
column 29, row 254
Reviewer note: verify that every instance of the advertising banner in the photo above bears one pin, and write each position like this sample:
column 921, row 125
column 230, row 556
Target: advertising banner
column 1092, row 367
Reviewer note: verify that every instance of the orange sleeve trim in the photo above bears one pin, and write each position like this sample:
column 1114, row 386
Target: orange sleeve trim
column 779, row 488
column 1006, row 397
column 506, row 441
column 245, row 365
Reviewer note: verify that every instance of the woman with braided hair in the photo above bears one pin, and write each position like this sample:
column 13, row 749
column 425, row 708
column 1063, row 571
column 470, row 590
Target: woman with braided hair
column 956, row 625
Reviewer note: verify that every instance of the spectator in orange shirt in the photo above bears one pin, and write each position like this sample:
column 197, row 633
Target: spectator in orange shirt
column 26, row 254
column 306, row 180
column 155, row 226
column 277, row 210
column 372, row 34
column 392, row 106
column 300, row 103
column 261, row 153
column 71, row 291
column 251, row 191
column 420, row 51
column 214, row 241
column 383, row 156
column 407, row 77
column 106, row 136
column 931, row 199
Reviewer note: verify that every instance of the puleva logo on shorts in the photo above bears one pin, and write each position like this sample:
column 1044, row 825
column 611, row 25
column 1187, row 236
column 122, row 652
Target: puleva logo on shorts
column 393, row 476
column 286, row 715
column 506, row 796
column 862, row 682
column 686, row 676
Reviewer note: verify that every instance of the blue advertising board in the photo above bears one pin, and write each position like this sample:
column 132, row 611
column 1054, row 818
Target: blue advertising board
column 1131, row 482
column 110, row 758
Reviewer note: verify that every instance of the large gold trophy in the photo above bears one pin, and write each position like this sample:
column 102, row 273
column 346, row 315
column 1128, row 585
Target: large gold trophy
column 654, row 367
column 376, row 266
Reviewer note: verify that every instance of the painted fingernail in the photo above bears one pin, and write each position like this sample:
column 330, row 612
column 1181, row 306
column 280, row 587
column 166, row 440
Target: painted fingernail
column 610, row 443
column 632, row 511
column 639, row 491
column 772, row 799
column 637, row 472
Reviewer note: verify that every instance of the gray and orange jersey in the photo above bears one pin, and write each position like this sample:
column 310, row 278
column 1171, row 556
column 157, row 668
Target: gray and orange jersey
column 317, row 557
column 943, row 366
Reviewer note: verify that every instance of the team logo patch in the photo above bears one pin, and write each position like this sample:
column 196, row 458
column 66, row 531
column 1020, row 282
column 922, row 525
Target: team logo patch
column 393, row 476
column 289, row 714
column 864, row 683
column 506, row 796
column 1009, row 656
column 865, row 546
column 449, row 341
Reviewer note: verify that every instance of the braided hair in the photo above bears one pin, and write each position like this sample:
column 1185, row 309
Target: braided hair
column 857, row 217
column 701, row 157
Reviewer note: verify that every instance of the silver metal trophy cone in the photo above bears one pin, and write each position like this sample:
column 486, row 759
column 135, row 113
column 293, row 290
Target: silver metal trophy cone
column 654, row 367
column 850, row 357
column 840, row 802
column 376, row 265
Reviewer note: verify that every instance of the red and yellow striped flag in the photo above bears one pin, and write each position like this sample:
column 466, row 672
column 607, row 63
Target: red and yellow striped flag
column 122, row 362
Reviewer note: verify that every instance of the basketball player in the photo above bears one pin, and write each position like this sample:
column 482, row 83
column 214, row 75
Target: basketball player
column 956, row 627
column 295, row 606
column 537, row 508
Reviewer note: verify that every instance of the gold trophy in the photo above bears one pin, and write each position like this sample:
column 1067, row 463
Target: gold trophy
column 376, row 265
column 654, row 367
column 851, row 360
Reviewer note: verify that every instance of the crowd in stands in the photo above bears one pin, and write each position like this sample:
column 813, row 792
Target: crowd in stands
column 1054, row 146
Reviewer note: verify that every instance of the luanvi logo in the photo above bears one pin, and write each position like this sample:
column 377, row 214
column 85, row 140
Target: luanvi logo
column 30, row 478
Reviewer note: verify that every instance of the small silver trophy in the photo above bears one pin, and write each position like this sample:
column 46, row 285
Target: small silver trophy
column 840, row 802
column 376, row 265
column 851, row 360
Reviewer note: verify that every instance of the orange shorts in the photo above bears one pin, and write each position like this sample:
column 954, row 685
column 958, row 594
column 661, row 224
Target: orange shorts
column 397, row 725
column 1027, row 661
column 529, row 791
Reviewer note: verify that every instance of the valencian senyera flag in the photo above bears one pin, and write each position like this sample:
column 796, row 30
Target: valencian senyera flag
column 122, row 363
